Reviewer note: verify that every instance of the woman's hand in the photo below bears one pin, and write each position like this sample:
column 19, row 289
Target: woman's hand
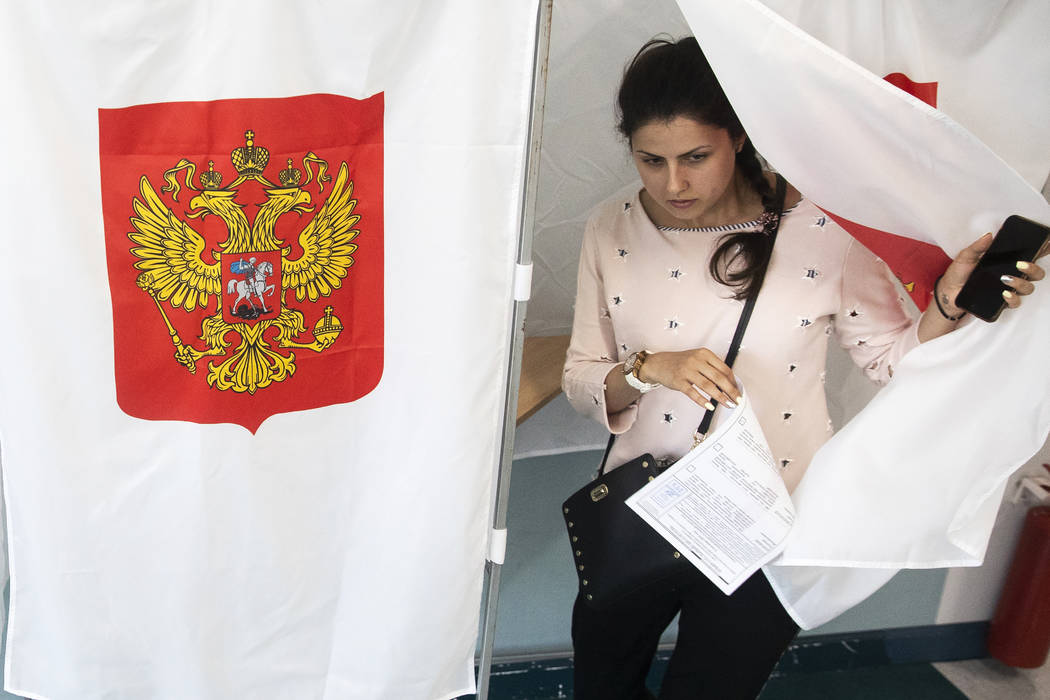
column 959, row 271
column 692, row 372
column 942, row 315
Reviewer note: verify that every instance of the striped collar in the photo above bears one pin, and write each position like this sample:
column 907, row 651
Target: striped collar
column 753, row 224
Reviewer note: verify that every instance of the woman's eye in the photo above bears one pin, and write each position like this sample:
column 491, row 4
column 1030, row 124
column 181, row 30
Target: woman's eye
column 652, row 161
column 697, row 157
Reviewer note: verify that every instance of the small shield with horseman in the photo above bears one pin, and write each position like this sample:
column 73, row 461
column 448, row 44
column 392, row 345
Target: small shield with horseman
column 251, row 284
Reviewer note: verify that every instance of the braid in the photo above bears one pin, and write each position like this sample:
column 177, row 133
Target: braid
column 741, row 258
column 749, row 166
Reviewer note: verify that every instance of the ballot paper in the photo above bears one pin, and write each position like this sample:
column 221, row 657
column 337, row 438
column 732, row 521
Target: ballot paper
column 723, row 505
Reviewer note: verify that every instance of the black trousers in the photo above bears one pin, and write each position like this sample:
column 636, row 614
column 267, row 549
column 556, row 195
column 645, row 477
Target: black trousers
column 727, row 645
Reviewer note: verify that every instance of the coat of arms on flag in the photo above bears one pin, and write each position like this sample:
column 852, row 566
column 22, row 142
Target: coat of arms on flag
column 244, row 242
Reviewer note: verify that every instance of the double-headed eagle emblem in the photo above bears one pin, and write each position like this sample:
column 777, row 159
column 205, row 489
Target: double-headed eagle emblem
column 244, row 281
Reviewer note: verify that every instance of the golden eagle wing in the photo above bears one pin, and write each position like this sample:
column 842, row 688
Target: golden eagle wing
column 327, row 245
column 170, row 251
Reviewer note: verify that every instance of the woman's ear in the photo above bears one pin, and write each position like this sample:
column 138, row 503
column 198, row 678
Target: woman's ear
column 740, row 142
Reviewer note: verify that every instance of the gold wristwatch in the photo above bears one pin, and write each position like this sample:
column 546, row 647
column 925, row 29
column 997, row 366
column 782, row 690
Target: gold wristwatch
column 631, row 365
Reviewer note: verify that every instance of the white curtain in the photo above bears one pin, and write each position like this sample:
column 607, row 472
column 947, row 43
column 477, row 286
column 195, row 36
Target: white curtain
column 337, row 549
column 916, row 479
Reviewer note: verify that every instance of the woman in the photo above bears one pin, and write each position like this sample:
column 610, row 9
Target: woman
column 663, row 271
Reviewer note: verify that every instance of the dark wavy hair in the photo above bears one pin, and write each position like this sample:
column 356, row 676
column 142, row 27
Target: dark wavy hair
column 668, row 79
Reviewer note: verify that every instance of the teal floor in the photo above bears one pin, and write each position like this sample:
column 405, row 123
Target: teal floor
column 547, row 681
column 899, row 682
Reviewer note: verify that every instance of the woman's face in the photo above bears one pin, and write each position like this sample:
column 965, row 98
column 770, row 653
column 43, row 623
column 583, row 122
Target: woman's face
column 687, row 169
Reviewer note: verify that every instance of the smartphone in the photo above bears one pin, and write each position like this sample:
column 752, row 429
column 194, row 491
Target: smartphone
column 1018, row 239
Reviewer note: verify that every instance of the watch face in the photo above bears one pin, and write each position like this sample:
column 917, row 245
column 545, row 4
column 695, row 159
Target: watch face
column 630, row 362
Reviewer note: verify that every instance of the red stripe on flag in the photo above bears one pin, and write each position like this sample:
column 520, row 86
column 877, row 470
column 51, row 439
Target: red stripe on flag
column 927, row 92
column 915, row 263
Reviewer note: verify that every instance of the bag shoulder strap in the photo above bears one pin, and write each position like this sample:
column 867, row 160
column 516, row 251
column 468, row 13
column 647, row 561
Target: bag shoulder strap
column 771, row 228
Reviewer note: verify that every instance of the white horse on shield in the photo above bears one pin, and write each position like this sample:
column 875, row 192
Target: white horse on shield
column 254, row 284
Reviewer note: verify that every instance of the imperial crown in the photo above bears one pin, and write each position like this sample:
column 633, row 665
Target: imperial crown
column 290, row 177
column 211, row 179
column 250, row 159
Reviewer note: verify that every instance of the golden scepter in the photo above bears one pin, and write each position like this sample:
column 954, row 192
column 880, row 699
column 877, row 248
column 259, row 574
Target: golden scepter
column 182, row 355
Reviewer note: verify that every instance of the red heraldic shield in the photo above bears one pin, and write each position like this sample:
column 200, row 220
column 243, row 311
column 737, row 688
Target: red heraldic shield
column 244, row 241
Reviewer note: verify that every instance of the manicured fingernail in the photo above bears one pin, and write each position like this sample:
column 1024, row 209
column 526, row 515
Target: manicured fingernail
column 1006, row 279
column 1023, row 266
column 1008, row 295
column 709, row 406
column 730, row 403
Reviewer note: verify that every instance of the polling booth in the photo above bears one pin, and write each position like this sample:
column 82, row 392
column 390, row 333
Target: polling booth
column 940, row 57
column 960, row 63
column 269, row 270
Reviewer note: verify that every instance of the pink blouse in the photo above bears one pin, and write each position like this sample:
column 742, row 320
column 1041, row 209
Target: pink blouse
column 642, row 288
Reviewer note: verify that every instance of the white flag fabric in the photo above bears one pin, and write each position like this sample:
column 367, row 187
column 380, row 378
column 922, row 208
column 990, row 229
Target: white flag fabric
column 915, row 480
column 256, row 293
column 984, row 60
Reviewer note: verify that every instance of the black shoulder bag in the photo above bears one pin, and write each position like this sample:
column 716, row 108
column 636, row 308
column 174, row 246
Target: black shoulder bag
column 616, row 552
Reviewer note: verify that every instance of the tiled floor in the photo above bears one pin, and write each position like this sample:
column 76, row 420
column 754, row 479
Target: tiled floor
column 979, row 679
column 987, row 679
column 899, row 682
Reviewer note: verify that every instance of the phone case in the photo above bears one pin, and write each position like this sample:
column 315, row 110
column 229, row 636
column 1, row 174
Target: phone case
column 1018, row 239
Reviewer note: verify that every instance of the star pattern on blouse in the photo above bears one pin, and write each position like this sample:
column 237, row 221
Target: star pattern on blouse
column 673, row 269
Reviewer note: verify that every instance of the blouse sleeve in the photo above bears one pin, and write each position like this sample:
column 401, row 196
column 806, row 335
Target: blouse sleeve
column 592, row 349
column 872, row 324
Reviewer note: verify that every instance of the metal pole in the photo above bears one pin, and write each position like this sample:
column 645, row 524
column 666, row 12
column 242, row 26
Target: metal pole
column 510, row 408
